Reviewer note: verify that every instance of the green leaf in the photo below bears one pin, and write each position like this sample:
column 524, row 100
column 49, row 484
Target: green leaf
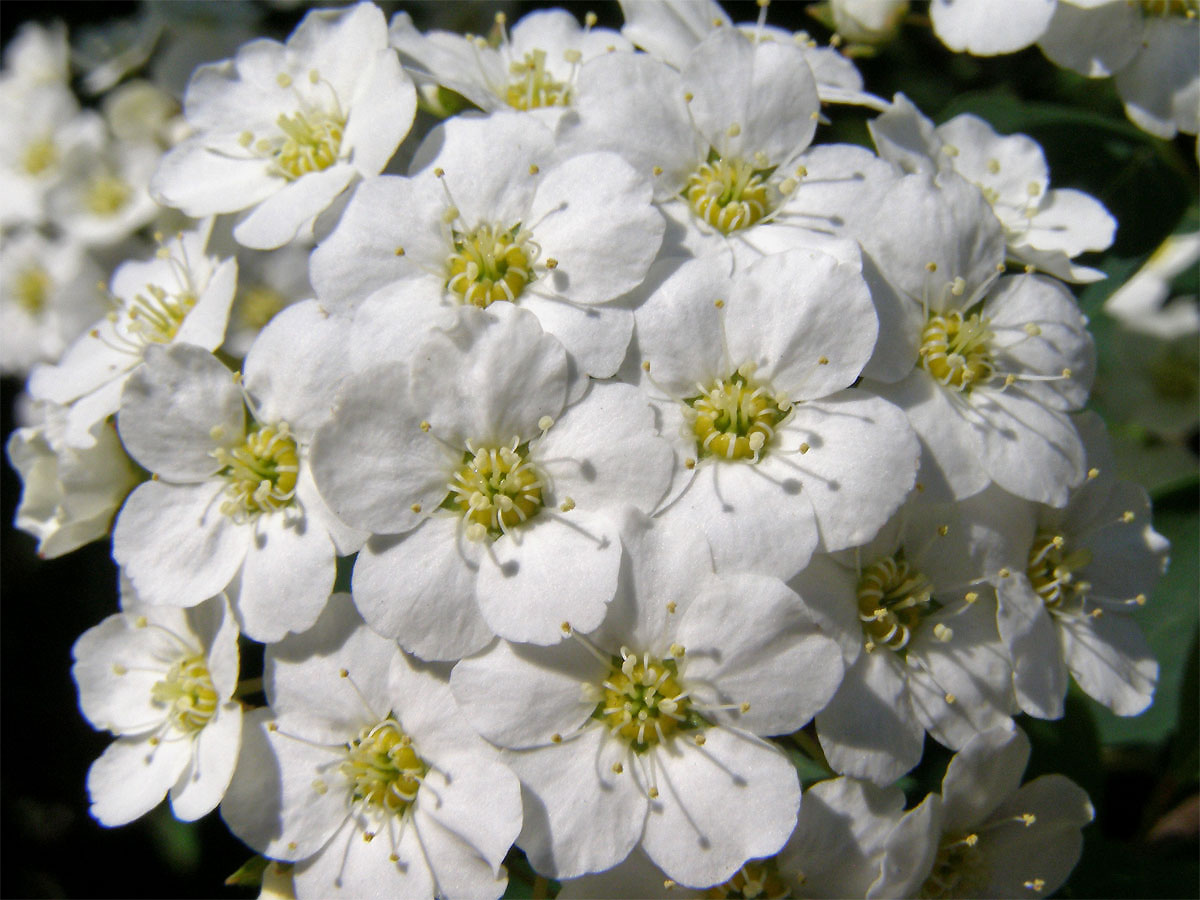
column 250, row 873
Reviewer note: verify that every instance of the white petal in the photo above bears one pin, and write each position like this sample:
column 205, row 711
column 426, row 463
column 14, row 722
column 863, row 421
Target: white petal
column 286, row 578
column 729, row 664
column 518, row 696
column 868, row 730
column 979, row 28
column 178, row 408
column 526, row 593
column 1112, row 662
column 304, row 681
column 280, row 217
column 580, row 816
column 735, row 798
column 131, row 777
column 420, row 590
column 982, row 775
column 1095, row 41
column 176, row 545
column 1039, row 672
column 203, row 783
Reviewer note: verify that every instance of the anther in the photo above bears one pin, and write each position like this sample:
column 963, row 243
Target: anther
column 425, row 426
column 1035, row 885
column 1127, row 516
column 556, row 738
column 744, row 706
column 416, row 507
column 951, row 700
column 283, row 79
column 344, row 673
column 970, row 596
column 942, row 632
column 804, row 448
column 617, row 768
column 689, row 463
column 533, row 169
column 657, row 170
column 399, row 251
column 653, row 792
column 943, row 530
column 700, row 740
column 822, row 360
column 567, row 505
column 671, row 606
column 551, row 262
column 545, row 423
column 1093, row 473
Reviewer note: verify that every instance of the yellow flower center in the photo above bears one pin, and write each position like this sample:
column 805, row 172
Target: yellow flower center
column 384, row 770
column 491, row 263
column 106, row 195
column 1052, row 569
column 495, row 489
column 261, row 473
column 311, row 142
column 39, row 155
column 31, row 289
column 735, row 417
column 257, row 305
column 729, row 194
column 532, row 86
column 643, row 703
column 959, row 870
column 155, row 315
column 892, row 599
column 188, row 691
column 955, row 351
column 758, row 879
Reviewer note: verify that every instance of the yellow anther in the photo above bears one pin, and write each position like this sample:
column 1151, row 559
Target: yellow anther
column 551, row 262
column 425, row 426
column 439, row 172
column 1127, row 516
column 653, row 792
column 119, row 669
column 416, row 507
column 368, row 836
column 930, row 267
column 399, row 251
column 566, row 627
column 567, row 505
column 1037, row 884
column 1093, row 473
column 942, row 632
column 1004, row 573
column 1140, row 599
column 677, row 650
column 970, row 596
column 943, row 530
column 804, row 448
column 533, row 169
column 283, row 79
column 657, row 170
column 556, row 738
column 1028, row 819
column 545, row 423
column 822, row 360
column 671, row 606
column 617, row 768
column 744, row 706
column 344, row 673
column 1032, row 330
column 689, row 463
column 734, row 130
column 993, row 166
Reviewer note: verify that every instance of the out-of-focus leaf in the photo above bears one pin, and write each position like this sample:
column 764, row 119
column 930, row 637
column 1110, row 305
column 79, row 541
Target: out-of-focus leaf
column 1069, row 746
column 1117, row 869
column 250, row 873
column 178, row 843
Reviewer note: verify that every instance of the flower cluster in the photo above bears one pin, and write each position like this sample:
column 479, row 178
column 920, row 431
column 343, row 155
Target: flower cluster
column 653, row 435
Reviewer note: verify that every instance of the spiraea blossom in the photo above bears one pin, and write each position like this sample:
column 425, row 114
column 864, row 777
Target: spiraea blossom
column 479, row 479
column 494, row 213
column 282, row 129
column 1044, row 227
column 232, row 500
column 533, row 67
column 181, row 295
column 986, row 366
column 1071, row 579
column 986, row 834
column 645, row 732
column 917, row 628
column 362, row 772
column 162, row 681
column 606, row 478
column 751, row 375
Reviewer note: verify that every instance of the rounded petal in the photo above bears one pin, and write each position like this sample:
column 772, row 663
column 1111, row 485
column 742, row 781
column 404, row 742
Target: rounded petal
column 980, row 28
column 176, row 545
column 210, row 769
column 132, row 776
column 733, row 799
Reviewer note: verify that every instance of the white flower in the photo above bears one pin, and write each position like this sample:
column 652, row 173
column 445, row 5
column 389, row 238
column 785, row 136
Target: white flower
column 162, row 681
column 228, row 501
column 281, row 130
column 836, row 851
column 490, row 496
column 919, row 638
column 987, row 368
column 669, row 29
column 722, row 137
column 363, row 773
column 1044, row 228
column 104, row 197
column 48, row 296
column 986, row 834
column 42, row 128
column 498, row 215
column 182, row 295
column 69, row 495
column 37, row 54
column 751, row 375
column 1141, row 302
column 645, row 732
column 533, row 69
column 1073, row 577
